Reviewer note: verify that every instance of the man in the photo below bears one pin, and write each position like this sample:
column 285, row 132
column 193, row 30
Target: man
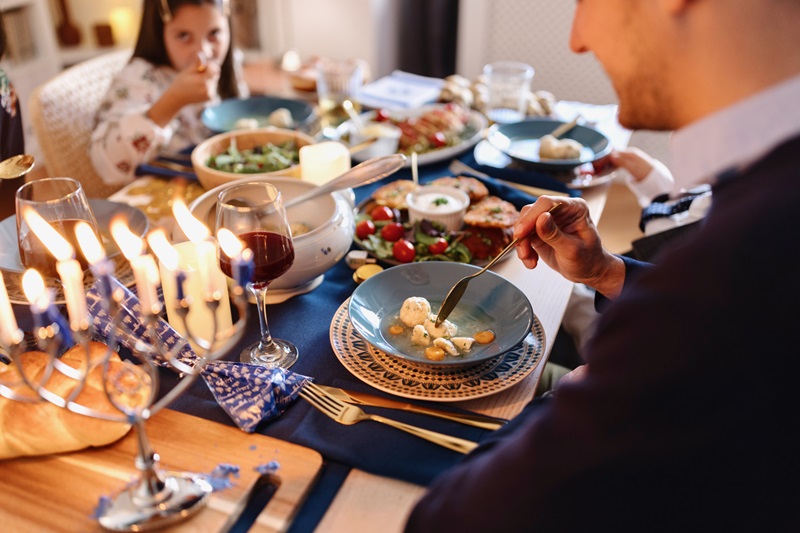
column 683, row 418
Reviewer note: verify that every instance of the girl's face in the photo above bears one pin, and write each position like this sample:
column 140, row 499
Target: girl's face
column 196, row 30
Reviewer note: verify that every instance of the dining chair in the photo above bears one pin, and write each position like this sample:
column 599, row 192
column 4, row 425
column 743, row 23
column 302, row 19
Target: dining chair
column 62, row 113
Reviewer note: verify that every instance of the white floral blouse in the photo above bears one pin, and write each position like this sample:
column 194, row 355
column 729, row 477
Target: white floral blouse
column 124, row 137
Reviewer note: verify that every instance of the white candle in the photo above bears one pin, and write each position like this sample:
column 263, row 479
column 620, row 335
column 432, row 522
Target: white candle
column 321, row 162
column 206, row 250
column 145, row 272
column 102, row 267
column 8, row 322
column 71, row 275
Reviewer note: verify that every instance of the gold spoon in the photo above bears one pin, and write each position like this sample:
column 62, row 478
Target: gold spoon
column 16, row 166
column 455, row 294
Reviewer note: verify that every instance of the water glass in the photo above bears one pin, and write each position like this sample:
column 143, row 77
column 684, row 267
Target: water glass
column 509, row 83
column 60, row 201
column 337, row 81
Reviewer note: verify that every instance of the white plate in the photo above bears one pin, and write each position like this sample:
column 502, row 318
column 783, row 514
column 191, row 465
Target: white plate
column 476, row 124
column 409, row 380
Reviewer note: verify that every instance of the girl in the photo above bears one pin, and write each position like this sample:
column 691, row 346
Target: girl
column 182, row 62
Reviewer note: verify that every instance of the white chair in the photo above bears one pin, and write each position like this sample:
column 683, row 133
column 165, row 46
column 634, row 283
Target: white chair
column 62, row 113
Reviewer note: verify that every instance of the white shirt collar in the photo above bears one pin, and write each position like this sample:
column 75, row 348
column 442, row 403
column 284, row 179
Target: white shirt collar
column 735, row 136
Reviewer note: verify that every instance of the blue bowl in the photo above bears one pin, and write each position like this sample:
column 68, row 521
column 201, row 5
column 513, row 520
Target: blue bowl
column 223, row 116
column 520, row 141
column 490, row 302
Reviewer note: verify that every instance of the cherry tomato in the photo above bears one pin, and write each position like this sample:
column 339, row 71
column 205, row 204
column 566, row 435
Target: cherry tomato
column 382, row 212
column 393, row 231
column 404, row 251
column 438, row 247
column 382, row 115
column 364, row 228
column 438, row 139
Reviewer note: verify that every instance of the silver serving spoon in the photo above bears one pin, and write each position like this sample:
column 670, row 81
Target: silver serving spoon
column 16, row 166
column 455, row 294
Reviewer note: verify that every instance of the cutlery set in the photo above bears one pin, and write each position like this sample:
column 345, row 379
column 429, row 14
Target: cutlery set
column 336, row 404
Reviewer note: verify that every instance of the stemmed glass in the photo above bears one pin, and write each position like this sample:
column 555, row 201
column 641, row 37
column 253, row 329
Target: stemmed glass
column 254, row 212
column 61, row 202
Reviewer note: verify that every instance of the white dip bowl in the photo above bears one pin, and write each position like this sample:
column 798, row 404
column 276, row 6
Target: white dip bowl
column 436, row 203
column 330, row 218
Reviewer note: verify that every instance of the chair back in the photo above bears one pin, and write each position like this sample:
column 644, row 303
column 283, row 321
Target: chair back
column 62, row 112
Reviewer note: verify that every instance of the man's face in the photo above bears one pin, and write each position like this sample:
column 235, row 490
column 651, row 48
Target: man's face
column 621, row 35
column 196, row 29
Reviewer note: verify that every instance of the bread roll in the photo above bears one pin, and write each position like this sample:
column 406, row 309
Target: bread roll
column 42, row 428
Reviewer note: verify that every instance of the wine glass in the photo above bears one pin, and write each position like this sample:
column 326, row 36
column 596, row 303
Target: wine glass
column 254, row 212
column 61, row 202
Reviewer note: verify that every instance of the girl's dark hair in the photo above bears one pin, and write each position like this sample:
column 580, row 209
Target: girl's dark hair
column 2, row 37
column 150, row 43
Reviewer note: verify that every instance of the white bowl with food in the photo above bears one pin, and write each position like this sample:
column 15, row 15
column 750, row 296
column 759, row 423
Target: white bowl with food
column 322, row 228
column 443, row 204
column 386, row 135
column 237, row 154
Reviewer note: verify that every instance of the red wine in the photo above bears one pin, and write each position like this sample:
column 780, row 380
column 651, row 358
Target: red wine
column 273, row 254
column 34, row 254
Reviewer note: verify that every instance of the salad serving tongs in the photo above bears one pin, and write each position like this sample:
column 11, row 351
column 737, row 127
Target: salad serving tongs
column 455, row 294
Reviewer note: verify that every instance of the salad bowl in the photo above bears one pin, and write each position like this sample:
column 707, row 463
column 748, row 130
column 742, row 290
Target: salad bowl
column 253, row 153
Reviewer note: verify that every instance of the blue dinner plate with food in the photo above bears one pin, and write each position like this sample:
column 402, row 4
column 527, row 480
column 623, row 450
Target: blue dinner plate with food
column 394, row 311
column 259, row 112
column 530, row 144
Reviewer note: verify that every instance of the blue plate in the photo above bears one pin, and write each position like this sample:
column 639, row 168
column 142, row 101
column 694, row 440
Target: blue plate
column 520, row 141
column 223, row 116
column 490, row 302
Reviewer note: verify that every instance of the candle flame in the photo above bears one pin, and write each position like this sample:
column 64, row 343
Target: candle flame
column 53, row 240
column 191, row 227
column 131, row 245
column 33, row 285
column 165, row 252
column 229, row 242
column 90, row 245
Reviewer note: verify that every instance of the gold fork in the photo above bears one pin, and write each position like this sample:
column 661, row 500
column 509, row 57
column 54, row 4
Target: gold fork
column 350, row 414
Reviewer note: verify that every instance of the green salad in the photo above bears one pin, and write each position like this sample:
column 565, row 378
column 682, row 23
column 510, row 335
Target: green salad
column 264, row 158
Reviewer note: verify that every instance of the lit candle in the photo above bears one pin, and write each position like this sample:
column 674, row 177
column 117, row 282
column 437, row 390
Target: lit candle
column 205, row 249
column 145, row 272
column 321, row 162
column 241, row 258
column 8, row 322
column 102, row 267
column 168, row 257
column 68, row 268
column 42, row 307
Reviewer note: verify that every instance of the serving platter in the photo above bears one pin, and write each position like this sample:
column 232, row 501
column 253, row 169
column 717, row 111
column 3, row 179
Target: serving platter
column 104, row 210
column 419, row 381
column 472, row 135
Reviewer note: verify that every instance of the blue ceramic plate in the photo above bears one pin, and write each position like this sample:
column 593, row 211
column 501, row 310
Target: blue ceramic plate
column 490, row 302
column 223, row 116
column 520, row 141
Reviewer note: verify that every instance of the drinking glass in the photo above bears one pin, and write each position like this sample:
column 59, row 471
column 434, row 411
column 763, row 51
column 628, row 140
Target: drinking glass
column 337, row 81
column 254, row 212
column 509, row 83
column 61, row 202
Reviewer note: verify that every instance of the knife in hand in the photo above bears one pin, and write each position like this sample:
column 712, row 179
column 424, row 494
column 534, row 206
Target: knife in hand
column 363, row 398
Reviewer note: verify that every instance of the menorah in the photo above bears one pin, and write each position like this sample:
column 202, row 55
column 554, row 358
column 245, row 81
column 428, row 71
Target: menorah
column 157, row 497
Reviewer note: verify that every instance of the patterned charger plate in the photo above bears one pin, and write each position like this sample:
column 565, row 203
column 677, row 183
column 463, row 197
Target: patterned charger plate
column 410, row 380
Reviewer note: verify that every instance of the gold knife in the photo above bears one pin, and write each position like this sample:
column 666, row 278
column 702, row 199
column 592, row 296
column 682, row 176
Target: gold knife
column 363, row 398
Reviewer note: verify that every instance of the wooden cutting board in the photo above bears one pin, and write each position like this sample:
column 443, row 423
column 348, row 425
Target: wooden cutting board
column 61, row 492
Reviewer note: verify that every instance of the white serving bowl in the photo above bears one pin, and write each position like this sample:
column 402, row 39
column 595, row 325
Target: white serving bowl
column 387, row 135
column 245, row 139
column 330, row 217
column 438, row 203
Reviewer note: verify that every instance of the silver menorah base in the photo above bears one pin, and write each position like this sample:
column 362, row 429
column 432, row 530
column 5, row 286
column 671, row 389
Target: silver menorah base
column 157, row 498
